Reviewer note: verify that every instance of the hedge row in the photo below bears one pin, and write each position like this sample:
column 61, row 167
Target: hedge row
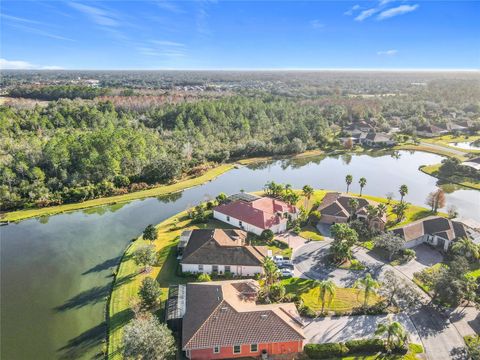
column 328, row 350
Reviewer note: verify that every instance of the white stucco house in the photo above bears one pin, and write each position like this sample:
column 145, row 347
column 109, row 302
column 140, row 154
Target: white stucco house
column 256, row 214
column 220, row 251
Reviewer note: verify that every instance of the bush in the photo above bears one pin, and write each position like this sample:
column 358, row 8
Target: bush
column 325, row 351
column 408, row 254
column 267, row 235
column 204, row 278
column 365, row 346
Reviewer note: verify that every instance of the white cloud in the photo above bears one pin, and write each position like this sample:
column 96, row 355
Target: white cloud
column 317, row 24
column 390, row 52
column 385, row 2
column 20, row 19
column 24, row 65
column 97, row 15
column 166, row 5
column 167, row 43
column 350, row 11
column 366, row 14
column 399, row 10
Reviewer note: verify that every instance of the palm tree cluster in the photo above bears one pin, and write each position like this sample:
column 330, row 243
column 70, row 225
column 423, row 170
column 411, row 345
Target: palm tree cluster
column 397, row 336
column 281, row 191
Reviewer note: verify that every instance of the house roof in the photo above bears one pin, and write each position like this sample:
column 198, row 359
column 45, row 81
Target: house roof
column 222, row 247
column 337, row 204
column 431, row 129
column 378, row 137
column 262, row 212
column 433, row 225
column 227, row 315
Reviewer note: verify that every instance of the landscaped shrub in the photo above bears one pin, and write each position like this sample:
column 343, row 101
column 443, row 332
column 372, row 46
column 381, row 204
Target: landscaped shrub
column 325, row 351
column 365, row 346
column 267, row 235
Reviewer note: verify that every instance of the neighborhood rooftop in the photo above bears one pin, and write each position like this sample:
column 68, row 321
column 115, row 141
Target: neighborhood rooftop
column 432, row 225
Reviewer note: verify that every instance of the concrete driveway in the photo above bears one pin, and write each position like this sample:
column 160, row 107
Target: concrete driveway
column 426, row 256
column 293, row 240
column 343, row 328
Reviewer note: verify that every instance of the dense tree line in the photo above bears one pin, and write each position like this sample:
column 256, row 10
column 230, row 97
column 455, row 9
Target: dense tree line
column 57, row 92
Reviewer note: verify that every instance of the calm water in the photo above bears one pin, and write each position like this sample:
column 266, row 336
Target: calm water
column 466, row 145
column 55, row 272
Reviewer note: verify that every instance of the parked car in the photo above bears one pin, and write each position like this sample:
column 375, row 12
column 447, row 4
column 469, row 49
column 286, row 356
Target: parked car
column 286, row 272
column 278, row 259
column 286, row 265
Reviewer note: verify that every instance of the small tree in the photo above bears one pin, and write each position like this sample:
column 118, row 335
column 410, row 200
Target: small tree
column 221, row 198
column 146, row 338
column 276, row 292
column 270, row 272
column 267, row 235
column 204, row 277
column 325, row 287
column 397, row 337
column 398, row 292
column 348, row 181
column 145, row 256
column 403, row 191
column 344, row 238
column 399, row 209
column 467, row 248
column 353, row 204
column 314, row 217
column 149, row 292
column 369, row 285
column 391, row 243
column 362, row 183
column 436, row 200
column 150, row 233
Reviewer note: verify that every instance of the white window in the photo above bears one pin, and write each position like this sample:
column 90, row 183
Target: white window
column 237, row 349
column 215, row 268
column 216, row 350
column 253, row 347
column 200, row 267
column 227, row 268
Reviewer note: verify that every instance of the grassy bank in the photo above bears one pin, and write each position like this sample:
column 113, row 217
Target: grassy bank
column 450, row 140
column 306, row 154
column 157, row 191
column 429, row 149
column 432, row 170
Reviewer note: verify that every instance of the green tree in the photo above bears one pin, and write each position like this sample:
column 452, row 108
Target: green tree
column 146, row 338
column 325, row 287
column 369, row 285
column 397, row 337
column 362, row 183
column 149, row 292
column 145, row 256
column 399, row 210
column 270, row 272
column 403, row 191
column 221, row 198
column 267, row 235
column 348, row 180
column 466, row 247
column 150, row 233
column 344, row 238
column 353, row 204
column 307, row 191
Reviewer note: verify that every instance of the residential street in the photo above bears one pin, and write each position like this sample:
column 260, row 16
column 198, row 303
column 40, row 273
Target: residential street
column 442, row 339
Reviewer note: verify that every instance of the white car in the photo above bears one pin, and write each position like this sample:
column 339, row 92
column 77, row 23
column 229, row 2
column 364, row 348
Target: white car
column 286, row 272
column 278, row 259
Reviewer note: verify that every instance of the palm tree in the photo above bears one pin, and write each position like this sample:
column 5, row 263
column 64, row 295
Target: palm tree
column 381, row 210
column 325, row 287
column 353, row 203
column 466, row 247
column 270, row 271
column 307, row 193
column 348, row 180
column 369, row 286
column 396, row 334
column 362, row 183
column 399, row 210
column 403, row 191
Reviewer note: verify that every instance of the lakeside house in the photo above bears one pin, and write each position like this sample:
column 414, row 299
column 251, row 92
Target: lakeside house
column 377, row 139
column 220, row 251
column 222, row 321
column 431, row 131
column 434, row 230
column 256, row 214
column 335, row 208
column 473, row 163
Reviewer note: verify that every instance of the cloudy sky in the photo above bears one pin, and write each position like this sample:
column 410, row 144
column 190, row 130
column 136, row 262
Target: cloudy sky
column 252, row 34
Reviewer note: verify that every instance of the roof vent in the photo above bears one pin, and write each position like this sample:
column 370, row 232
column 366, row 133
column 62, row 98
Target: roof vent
column 224, row 308
column 264, row 316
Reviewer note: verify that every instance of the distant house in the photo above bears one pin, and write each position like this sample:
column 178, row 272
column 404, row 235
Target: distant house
column 451, row 126
column 431, row 131
column 335, row 208
column 256, row 214
column 223, row 321
column 374, row 139
column 434, row 230
column 473, row 163
column 220, row 251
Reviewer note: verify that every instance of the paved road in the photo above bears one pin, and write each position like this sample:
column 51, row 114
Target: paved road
column 444, row 148
column 441, row 339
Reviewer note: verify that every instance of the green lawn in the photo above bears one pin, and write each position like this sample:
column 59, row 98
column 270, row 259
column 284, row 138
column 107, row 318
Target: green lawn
column 450, row 140
column 344, row 301
column 154, row 192
column 433, row 171
column 310, row 233
column 430, row 149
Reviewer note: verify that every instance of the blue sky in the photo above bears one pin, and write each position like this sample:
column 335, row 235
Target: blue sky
column 381, row 34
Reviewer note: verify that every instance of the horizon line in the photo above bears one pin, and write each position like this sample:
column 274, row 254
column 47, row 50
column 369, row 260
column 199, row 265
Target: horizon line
column 265, row 69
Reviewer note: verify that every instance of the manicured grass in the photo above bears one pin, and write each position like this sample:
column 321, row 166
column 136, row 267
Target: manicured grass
column 426, row 148
column 414, row 349
column 344, row 301
column 157, row 191
column 450, row 140
column 310, row 233
column 306, row 154
column 432, row 170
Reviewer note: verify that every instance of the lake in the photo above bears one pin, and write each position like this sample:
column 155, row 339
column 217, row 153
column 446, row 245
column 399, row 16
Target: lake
column 56, row 271
column 466, row 145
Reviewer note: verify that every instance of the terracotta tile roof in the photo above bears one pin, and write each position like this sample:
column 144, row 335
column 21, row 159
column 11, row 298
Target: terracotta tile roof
column 261, row 213
column 230, row 317
column 222, row 247
column 432, row 225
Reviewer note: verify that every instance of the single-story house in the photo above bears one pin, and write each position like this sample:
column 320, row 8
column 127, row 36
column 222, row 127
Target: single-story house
column 335, row 208
column 434, row 230
column 223, row 321
column 256, row 214
column 220, row 251
column 431, row 131
column 473, row 163
column 375, row 139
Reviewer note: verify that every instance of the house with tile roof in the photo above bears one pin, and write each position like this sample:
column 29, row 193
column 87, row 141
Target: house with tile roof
column 335, row 208
column 220, row 251
column 434, row 230
column 228, row 323
column 256, row 214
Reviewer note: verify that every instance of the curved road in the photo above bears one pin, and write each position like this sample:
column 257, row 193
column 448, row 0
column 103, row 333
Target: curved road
column 440, row 338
